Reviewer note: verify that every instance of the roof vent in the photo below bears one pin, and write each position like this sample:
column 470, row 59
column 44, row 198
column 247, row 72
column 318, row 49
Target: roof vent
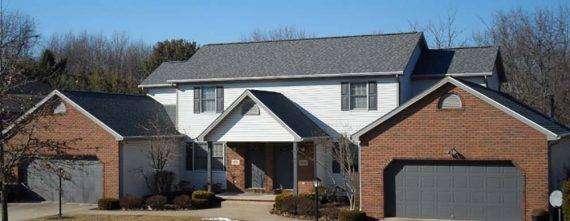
column 60, row 109
column 450, row 101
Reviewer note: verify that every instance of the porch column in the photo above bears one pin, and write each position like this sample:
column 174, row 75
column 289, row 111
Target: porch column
column 209, row 166
column 295, row 167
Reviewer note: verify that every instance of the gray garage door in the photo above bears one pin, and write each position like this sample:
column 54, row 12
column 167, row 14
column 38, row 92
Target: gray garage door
column 452, row 190
column 85, row 185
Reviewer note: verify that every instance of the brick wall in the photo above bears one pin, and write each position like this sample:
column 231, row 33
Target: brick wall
column 478, row 131
column 84, row 137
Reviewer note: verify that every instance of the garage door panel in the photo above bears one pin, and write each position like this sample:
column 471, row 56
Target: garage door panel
column 456, row 190
column 85, row 185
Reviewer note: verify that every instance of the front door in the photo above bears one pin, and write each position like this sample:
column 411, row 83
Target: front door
column 283, row 167
column 256, row 156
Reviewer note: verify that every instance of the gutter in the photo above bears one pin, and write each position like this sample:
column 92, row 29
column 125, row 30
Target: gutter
column 282, row 77
column 481, row 74
column 153, row 136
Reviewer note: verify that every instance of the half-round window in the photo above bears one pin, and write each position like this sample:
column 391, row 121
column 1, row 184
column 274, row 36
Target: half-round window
column 450, row 101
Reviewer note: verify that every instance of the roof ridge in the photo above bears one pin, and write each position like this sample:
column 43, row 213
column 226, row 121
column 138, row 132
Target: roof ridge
column 101, row 92
column 467, row 47
column 313, row 38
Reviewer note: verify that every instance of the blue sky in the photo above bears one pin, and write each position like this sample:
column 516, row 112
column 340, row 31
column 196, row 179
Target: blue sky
column 212, row 21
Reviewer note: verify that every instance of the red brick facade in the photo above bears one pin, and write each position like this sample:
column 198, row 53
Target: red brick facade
column 236, row 174
column 85, row 138
column 479, row 131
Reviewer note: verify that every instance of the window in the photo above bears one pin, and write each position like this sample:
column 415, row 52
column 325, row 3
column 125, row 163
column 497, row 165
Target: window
column 208, row 99
column 60, row 109
column 450, row 101
column 335, row 166
column 249, row 108
column 189, row 156
column 200, row 157
column 358, row 96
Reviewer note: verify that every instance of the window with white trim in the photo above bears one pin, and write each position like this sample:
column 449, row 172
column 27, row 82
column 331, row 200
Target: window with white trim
column 199, row 157
column 208, row 99
column 450, row 101
column 358, row 96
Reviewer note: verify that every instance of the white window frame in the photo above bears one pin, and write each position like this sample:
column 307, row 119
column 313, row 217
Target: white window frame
column 202, row 99
column 350, row 107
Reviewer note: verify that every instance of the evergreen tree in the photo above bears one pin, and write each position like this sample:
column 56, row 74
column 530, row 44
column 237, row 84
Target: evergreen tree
column 170, row 50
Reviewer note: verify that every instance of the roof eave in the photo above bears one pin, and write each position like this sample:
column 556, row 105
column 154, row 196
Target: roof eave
column 363, row 74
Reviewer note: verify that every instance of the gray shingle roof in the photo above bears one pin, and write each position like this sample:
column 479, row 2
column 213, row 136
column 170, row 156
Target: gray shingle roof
column 128, row 115
column 457, row 60
column 289, row 113
column 289, row 58
column 521, row 108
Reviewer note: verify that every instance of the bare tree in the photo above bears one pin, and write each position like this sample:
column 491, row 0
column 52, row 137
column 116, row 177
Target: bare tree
column 28, row 139
column 282, row 33
column 443, row 32
column 534, row 48
column 162, row 154
column 345, row 154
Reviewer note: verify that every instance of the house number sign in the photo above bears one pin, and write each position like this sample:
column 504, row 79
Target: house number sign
column 303, row 163
column 235, row 162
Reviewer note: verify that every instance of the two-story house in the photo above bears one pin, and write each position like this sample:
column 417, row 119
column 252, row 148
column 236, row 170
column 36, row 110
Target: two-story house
column 435, row 136
column 259, row 102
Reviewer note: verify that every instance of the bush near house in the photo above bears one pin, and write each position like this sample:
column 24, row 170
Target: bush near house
column 130, row 202
column 288, row 204
column 202, row 199
column 566, row 200
column 351, row 215
column 108, row 204
column 156, row 202
column 182, row 202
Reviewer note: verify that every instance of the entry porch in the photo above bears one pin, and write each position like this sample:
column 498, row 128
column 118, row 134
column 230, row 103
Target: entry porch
column 269, row 167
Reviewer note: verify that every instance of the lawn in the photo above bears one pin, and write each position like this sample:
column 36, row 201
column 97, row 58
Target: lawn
column 86, row 217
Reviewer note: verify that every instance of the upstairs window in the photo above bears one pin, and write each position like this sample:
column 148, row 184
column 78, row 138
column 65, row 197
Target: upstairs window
column 208, row 99
column 450, row 101
column 358, row 96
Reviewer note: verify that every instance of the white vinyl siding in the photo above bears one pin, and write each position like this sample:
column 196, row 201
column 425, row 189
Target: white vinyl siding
column 252, row 128
column 319, row 97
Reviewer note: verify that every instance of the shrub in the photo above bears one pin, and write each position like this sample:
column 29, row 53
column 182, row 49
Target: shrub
column 108, row 204
column 280, row 199
column 156, row 202
column 162, row 181
column 351, row 215
column 566, row 200
column 131, row 202
column 331, row 212
column 182, row 202
column 202, row 194
column 202, row 199
column 288, row 203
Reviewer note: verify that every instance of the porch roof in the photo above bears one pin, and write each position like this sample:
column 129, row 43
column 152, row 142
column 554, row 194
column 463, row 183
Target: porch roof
column 282, row 109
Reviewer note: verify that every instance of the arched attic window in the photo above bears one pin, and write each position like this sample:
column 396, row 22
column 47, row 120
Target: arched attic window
column 450, row 101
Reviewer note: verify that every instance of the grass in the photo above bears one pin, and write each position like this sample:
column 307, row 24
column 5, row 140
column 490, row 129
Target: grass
column 87, row 217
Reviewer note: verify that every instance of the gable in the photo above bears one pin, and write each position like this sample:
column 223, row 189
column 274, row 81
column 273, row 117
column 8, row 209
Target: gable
column 497, row 100
column 476, row 119
column 237, row 126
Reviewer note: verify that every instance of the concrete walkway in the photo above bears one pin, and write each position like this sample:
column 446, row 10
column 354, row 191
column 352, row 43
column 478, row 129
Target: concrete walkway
column 230, row 210
column 27, row 211
column 254, row 197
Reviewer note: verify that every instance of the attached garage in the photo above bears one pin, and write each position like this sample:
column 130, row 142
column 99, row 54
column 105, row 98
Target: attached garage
column 454, row 190
column 464, row 152
column 83, row 182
